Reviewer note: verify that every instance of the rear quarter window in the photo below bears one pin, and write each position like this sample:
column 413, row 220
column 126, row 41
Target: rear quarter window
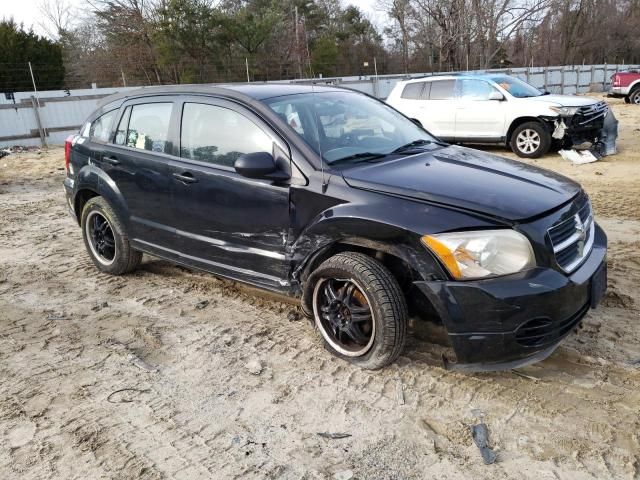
column 413, row 91
column 100, row 129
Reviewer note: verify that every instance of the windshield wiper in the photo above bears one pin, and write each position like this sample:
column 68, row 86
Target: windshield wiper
column 358, row 157
column 415, row 143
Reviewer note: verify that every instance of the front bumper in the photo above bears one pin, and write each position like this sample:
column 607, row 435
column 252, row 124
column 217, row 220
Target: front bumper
column 618, row 92
column 508, row 322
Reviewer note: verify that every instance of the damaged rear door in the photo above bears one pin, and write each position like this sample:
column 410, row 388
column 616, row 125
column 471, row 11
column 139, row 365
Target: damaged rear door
column 226, row 223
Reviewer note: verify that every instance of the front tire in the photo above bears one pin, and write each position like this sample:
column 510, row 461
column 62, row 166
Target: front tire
column 106, row 239
column 359, row 310
column 634, row 97
column 530, row 140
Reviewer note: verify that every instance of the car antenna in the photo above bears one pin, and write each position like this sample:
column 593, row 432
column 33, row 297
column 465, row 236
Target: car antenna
column 325, row 184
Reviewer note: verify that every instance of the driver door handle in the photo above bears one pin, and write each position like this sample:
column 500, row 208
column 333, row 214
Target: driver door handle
column 185, row 177
column 111, row 160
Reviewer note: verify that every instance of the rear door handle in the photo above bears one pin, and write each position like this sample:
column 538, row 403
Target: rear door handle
column 185, row 177
column 111, row 160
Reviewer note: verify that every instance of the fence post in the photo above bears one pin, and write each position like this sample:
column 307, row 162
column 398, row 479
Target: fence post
column 546, row 79
column 593, row 76
column 562, row 80
column 604, row 78
column 36, row 112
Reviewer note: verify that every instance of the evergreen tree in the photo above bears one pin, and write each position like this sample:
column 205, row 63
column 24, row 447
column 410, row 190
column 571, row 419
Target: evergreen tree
column 18, row 47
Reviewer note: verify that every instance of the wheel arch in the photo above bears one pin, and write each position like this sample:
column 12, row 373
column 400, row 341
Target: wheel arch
column 519, row 121
column 406, row 261
column 635, row 85
column 92, row 182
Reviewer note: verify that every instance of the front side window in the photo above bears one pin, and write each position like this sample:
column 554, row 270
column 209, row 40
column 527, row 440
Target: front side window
column 516, row 87
column 346, row 127
column 474, row 89
column 219, row 135
column 100, row 128
column 148, row 127
column 442, row 90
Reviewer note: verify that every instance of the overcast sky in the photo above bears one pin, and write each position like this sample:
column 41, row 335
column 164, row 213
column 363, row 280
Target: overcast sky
column 27, row 11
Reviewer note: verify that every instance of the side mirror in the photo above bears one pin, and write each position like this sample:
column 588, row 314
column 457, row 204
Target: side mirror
column 260, row 165
column 496, row 96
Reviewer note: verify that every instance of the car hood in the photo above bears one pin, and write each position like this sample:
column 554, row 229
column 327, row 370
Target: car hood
column 469, row 179
column 563, row 100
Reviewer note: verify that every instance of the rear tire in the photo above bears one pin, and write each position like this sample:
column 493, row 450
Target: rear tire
column 530, row 140
column 359, row 309
column 634, row 97
column 106, row 239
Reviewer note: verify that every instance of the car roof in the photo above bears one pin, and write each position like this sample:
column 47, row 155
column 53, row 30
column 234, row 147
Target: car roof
column 454, row 76
column 245, row 92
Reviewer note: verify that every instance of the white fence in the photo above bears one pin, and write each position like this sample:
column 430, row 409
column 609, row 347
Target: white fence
column 565, row 80
column 28, row 121
column 48, row 119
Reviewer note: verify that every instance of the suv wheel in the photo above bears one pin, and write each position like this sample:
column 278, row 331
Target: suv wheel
column 634, row 97
column 359, row 309
column 106, row 240
column 530, row 140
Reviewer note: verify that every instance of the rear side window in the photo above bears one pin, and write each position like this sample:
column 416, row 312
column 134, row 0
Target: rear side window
column 148, row 127
column 219, row 135
column 442, row 89
column 413, row 91
column 100, row 128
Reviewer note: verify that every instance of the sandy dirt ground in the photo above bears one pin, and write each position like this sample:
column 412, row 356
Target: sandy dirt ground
column 170, row 373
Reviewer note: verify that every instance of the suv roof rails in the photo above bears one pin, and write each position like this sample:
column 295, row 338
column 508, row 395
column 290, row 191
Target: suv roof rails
column 456, row 74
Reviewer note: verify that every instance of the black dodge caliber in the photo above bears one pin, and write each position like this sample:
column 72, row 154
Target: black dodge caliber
column 334, row 197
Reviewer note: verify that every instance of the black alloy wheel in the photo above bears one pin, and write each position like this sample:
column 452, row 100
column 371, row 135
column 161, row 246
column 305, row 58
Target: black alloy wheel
column 345, row 316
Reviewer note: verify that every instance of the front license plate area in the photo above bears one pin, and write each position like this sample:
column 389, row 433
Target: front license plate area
column 598, row 285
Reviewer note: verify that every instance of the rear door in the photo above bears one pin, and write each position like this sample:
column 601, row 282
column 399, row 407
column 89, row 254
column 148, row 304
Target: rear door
column 477, row 117
column 409, row 102
column 137, row 161
column 437, row 108
column 228, row 223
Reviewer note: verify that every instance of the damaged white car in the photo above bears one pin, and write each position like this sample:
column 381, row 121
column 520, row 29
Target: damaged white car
column 500, row 109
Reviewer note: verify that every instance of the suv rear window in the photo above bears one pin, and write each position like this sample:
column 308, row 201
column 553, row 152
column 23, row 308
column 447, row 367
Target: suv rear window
column 413, row 91
column 442, row 89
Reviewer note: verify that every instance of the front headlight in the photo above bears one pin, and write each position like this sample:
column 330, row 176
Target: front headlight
column 565, row 111
column 483, row 253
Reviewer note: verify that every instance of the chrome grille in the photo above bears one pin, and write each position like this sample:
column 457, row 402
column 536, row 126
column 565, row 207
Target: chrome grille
column 590, row 113
column 572, row 239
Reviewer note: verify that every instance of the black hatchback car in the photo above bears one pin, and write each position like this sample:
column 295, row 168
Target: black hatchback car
column 334, row 197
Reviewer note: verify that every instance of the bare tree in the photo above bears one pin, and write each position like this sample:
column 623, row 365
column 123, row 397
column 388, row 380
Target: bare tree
column 58, row 17
column 401, row 12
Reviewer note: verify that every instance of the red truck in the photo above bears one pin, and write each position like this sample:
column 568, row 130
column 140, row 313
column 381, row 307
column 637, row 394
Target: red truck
column 627, row 85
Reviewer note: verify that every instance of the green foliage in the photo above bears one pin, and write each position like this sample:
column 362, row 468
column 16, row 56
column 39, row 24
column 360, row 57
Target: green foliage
column 20, row 47
column 325, row 56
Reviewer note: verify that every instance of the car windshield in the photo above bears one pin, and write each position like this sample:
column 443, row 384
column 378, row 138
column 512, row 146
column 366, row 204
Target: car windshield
column 516, row 87
column 347, row 127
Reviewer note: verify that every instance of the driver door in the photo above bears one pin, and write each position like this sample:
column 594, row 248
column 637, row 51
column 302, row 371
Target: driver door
column 225, row 222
